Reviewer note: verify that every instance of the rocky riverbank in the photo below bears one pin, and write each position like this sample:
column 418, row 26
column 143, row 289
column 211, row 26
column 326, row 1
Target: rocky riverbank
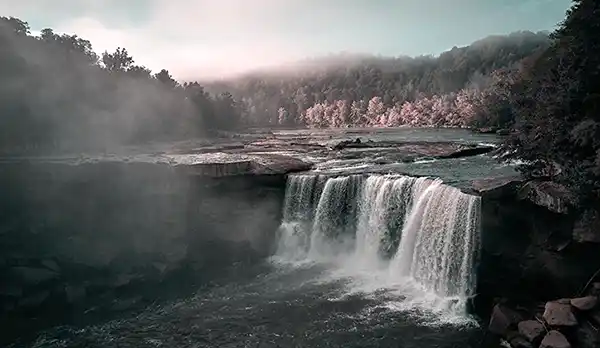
column 538, row 280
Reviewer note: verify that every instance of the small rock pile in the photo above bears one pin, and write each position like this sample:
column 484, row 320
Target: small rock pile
column 563, row 323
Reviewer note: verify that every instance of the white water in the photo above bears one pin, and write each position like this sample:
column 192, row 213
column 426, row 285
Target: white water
column 396, row 231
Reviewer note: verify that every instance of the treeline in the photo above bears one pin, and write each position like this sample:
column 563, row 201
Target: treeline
column 56, row 94
column 455, row 89
column 556, row 100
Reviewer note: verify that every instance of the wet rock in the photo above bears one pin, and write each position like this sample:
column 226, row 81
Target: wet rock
column 532, row 330
column 555, row 339
column 548, row 194
column 517, row 340
column 502, row 319
column 75, row 293
column 503, row 132
column 51, row 265
column 587, row 227
column 34, row 300
column 33, row 276
column 559, row 314
column 473, row 151
column 495, row 188
column 585, row 303
column 121, row 305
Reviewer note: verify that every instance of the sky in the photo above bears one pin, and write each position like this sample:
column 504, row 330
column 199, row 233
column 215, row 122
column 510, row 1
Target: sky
column 221, row 38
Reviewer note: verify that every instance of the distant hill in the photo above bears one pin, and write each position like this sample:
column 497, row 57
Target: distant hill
column 294, row 88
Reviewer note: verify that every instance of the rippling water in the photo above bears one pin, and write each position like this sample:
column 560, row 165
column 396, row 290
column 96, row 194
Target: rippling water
column 303, row 304
column 281, row 305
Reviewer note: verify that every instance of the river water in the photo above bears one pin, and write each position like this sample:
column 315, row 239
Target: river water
column 363, row 261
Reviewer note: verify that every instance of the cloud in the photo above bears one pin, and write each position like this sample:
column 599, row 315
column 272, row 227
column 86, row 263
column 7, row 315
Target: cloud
column 219, row 38
column 192, row 39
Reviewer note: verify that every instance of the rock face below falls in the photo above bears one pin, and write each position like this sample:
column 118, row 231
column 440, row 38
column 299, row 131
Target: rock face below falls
column 105, row 235
column 541, row 255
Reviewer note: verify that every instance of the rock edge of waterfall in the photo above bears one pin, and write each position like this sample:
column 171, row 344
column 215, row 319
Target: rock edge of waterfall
column 538, row 280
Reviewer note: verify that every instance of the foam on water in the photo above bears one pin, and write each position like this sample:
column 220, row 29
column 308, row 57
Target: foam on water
column 414, row 241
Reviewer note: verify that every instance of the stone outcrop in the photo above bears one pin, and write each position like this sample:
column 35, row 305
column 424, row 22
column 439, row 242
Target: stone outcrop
column 547, row 194
column 497, row 188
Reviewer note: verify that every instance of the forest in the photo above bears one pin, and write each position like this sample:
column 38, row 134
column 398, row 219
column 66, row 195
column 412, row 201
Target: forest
column 58, row 95
column 463, row 87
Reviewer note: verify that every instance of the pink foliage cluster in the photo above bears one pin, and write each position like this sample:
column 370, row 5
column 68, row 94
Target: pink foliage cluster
column 450, row 110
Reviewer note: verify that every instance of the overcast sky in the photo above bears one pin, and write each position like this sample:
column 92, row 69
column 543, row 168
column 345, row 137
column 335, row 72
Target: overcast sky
column 209, row 38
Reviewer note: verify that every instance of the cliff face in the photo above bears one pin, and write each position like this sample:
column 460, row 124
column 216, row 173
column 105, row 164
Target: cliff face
column 107, row 235
column 535, row 246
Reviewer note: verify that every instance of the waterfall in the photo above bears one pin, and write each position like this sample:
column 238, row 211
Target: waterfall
column 418, row 228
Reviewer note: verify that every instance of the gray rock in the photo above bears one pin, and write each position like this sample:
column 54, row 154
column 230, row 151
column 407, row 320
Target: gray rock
column 585, row 303
column 558, row 314
column 516, row 340
column 548, row 194
column 495, row 188
column 532, row 330
column 587, row 227
column 33, row 276
column 502, row 319
column 555, row 339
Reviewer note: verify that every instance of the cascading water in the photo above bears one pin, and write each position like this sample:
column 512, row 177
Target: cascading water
column 418, row 228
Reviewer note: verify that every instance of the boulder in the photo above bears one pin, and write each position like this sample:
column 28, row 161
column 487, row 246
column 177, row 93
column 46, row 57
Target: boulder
column 585, row 303
column 555, row 339
column 32, row 275
column 587, row 227
column 548, row 194
column 559, row 314
column 532, row 330
column 502, row 319
column 516, row 340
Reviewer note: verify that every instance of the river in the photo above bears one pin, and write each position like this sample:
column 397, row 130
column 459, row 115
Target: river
column 368, row 260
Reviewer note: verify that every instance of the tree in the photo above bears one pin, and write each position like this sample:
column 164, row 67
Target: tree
column 166, row 79
column 119, row 60
column 558, row 105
